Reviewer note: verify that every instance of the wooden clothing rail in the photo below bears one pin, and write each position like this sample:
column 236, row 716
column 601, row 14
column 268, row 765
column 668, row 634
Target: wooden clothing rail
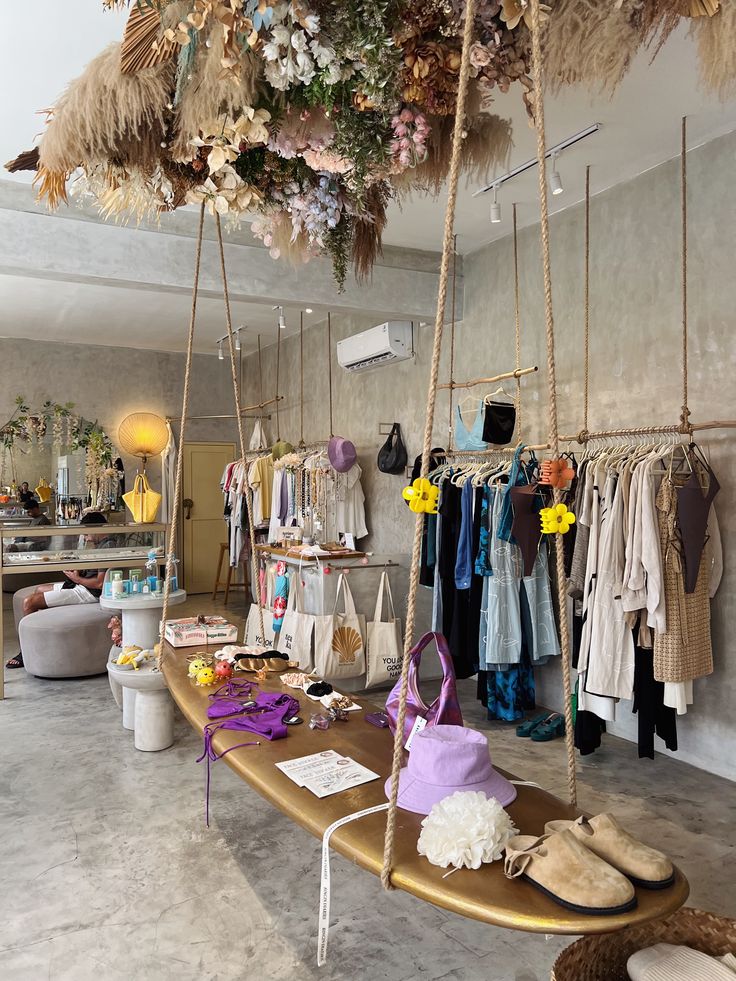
column 499, row 449
column 243, row 411
column 516, row 373
column 684, row 430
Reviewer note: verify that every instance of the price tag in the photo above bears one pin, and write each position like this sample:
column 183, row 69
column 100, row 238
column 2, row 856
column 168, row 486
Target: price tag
column 419, row 724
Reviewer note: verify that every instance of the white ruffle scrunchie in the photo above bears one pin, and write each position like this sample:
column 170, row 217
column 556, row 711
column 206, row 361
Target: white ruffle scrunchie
column 464, row 830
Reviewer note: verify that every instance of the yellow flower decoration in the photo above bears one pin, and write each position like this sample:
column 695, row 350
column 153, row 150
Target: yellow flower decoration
column 422, row 496
column 556, row 519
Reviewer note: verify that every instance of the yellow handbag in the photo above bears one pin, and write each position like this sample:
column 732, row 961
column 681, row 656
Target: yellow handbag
column 142, row 502
column 43, row 491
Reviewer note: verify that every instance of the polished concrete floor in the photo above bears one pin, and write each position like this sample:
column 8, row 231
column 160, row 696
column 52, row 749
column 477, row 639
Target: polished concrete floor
column 107, row 870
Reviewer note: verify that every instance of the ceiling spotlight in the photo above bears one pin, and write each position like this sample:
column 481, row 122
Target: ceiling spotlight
column 282, row 321
column 220, row 353
column 237, row 338
column 495, row 208
column 308, row 310
column 555, row 181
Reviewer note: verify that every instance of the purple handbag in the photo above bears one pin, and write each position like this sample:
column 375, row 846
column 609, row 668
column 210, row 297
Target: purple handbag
column 445, row 709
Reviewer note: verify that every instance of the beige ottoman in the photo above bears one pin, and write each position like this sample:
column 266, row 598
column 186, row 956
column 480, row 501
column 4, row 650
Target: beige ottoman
column 65, row 642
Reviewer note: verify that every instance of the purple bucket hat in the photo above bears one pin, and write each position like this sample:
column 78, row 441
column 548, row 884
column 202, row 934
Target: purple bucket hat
column 341, row 453
column 445, row 759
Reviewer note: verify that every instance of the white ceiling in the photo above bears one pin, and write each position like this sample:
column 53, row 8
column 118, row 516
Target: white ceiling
column 640, row 128
column 83, row 313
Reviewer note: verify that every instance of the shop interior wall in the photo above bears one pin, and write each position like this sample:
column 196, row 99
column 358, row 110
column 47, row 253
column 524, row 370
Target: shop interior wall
column 108, row 383
column 635, row 373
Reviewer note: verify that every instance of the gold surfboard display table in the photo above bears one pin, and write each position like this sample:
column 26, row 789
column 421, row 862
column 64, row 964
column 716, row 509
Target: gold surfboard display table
column 484, row 894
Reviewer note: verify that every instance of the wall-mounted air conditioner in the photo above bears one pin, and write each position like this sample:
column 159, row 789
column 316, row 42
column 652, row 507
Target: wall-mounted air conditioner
column 377, row 346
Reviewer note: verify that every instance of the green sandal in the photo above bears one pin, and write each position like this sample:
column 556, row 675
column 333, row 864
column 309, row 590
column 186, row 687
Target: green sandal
column 526, row 728
column 553, row 728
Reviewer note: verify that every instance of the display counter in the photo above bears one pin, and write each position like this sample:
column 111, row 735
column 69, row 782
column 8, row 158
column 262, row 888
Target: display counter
column 48, row 549
column 484, row 894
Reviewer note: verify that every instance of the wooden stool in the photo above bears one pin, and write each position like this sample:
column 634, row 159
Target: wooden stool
column 227, row 583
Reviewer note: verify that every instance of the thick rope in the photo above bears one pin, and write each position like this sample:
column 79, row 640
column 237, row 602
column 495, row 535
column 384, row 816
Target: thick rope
column 278, row 372
column 329, row 366
column 554, row 436
column 451, row 427
column 685, row 411
column 517, row 327
column 447, row 251
column 586, row 303
column 175, row 508
column 301, row 379
column 241, row 433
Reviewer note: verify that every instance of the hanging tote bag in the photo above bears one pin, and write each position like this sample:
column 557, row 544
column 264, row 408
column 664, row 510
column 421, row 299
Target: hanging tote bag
column 253, row 635
column 142, row 502
column 384, row 649
column 444, row 710
column 392, row 455
column 339, row 646
column 297, row 627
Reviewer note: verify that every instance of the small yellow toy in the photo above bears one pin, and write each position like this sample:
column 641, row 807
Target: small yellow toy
column 206, row 676
column 556, row 519
column 196, row 666
column 422, row 496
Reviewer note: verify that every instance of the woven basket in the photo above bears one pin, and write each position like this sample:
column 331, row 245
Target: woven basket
column 603, row 958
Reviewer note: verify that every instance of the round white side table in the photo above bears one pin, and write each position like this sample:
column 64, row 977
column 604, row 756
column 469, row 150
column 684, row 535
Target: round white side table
column 153, row 709
column 146, row 703
column 140, row 615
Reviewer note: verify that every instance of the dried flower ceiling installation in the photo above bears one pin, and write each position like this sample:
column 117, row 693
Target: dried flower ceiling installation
column 309, row 116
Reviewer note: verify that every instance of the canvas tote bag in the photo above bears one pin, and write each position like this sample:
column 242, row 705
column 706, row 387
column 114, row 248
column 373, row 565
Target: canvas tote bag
column 339, row 646
column 253, row 637
column 385, row 649
column 297, row 627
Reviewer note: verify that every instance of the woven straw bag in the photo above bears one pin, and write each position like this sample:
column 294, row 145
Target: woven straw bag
column 604, row 958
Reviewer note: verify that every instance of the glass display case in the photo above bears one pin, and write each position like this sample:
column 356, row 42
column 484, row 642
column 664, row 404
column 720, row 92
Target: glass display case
column 55, row 548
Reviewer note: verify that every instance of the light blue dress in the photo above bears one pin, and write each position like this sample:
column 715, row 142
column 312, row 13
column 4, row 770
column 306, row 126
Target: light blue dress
column 470, row 439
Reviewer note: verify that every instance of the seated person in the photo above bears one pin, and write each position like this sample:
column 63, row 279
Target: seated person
column 32, row 544
column 25, row 494
column 83, row 586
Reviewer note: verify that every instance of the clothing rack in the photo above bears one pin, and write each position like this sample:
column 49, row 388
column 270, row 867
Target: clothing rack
column 687, row 430
column 243, row 412
column 516, row 373
column 500, row 449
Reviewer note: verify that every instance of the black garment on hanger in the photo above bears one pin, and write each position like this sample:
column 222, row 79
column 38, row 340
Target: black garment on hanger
column 455, row 602
column 654, row 715
column 476, row 584
column 526, row 524
column 693, row 508
column 499, row 420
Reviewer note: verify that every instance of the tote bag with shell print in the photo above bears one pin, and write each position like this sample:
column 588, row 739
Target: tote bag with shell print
column 339, row 639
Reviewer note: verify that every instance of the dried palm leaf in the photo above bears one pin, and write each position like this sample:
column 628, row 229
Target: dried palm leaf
column 105, row 115
column 51, row 186
column 368, row 229
column 716, row 40
column 28, row 160
column 487, row 145
column 207, row 91
column 144, row 45
column 592, row 43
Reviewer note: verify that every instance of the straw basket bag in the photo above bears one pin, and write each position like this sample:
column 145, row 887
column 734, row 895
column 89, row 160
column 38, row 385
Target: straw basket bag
column 604, row 958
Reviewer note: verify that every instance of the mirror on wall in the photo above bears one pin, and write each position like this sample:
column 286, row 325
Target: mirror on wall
column 67, row 461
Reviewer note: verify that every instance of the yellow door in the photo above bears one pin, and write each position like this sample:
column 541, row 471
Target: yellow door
column 204, row 528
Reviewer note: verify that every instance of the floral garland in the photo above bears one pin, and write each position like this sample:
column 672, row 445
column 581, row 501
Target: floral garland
column 305, row 115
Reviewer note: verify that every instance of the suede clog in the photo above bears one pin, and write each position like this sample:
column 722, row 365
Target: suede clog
column 569, row 873
column 602, row 834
